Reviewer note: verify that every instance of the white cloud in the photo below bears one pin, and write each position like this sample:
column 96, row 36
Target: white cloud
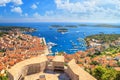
column 34, row 6
column 3, row 2
column 17, row 10
column 90, row 9
column 36, row 15
column 49, row 13
column 16, row 2
column 76, row 6
column 26, row 14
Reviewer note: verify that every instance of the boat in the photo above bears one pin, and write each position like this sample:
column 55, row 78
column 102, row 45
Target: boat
column 62, row 32
column 50, row 28
column 80, row 39
column 51, row 44
column 71, row 41
column 74, row 44
column 56, row 38
column 76, row 47
column 56, row 53
column 84, row 34
column 73, row 49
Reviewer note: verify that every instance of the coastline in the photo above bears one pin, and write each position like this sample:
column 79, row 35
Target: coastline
column 63, row 40
column 46, row 51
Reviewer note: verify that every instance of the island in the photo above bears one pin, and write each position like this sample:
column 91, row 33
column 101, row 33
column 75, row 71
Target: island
column 71, row 26
column 107, row 25
column 56, row 26
column 83, row 25
column 62, row 30
column 101, row 25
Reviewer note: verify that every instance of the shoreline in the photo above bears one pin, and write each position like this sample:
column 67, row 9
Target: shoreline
column 59, row 49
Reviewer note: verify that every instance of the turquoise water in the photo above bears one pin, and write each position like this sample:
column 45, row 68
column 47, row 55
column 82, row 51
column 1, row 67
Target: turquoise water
column 67, row 42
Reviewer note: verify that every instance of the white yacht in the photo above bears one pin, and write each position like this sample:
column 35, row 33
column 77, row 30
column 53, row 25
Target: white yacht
column 51, row 44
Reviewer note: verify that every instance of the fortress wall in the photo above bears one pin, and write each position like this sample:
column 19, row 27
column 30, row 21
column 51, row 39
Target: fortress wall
column 71, row 74
column 33, row 68
column 43, row 66
column 27, row 67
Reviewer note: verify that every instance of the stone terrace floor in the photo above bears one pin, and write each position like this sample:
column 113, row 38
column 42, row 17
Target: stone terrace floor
column 49, row 75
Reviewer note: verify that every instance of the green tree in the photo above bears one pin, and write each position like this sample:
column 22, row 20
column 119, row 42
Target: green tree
column 94, row 63
column 98, row 72
column 117, row 76
column 118, row 63
column 3, row 78
column 102, row 73
column 110, row 74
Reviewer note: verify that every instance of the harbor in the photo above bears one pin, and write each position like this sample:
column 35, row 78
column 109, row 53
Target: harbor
column 66, row 40
column 81, row 43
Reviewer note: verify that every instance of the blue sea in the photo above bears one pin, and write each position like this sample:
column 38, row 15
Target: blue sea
column 69, row 42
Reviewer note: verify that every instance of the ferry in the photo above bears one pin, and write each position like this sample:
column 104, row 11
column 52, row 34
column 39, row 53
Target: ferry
column 51, row 44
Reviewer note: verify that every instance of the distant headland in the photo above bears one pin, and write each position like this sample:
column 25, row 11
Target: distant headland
column 101, row 25
column 16, row 28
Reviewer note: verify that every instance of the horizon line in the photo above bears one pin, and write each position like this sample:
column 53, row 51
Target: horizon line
column 58, row 21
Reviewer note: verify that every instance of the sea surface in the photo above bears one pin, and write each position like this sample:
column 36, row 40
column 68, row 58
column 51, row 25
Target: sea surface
column 69, row 42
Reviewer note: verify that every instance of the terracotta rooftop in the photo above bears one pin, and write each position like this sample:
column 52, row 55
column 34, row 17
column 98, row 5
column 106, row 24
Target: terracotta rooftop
column 117, row 68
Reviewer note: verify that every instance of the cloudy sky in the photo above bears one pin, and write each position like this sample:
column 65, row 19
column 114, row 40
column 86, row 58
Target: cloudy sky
column 59, row 10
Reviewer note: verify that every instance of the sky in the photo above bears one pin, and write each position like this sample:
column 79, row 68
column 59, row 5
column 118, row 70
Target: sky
column 59, row 10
